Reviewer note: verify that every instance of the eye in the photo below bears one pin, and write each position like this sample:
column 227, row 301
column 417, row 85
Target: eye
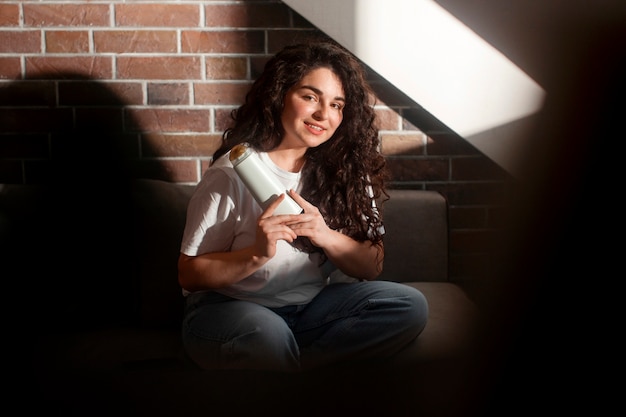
column 310, row 97
column 337, row 106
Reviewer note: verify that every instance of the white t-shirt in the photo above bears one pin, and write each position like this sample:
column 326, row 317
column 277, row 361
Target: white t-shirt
column 222, row 216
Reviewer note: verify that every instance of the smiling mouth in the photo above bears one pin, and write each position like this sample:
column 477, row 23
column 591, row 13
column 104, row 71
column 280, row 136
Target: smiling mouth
column 319, row 129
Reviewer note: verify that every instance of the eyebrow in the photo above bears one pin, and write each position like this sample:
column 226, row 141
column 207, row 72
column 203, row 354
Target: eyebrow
column 319, row 92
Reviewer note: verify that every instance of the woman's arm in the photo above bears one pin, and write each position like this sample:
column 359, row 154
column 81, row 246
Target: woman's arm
column 361, row 260
column 216, row 270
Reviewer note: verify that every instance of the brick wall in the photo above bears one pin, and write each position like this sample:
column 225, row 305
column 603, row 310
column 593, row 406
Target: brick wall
column 147, row 87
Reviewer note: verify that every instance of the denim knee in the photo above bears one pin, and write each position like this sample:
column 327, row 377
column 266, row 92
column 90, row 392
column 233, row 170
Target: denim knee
column 259, row 339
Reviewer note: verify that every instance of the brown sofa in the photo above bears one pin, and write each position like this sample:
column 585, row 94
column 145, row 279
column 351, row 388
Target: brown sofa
column 98, row 271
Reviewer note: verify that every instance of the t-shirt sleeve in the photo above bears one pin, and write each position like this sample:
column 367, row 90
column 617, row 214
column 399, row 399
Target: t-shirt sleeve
column 210, row 224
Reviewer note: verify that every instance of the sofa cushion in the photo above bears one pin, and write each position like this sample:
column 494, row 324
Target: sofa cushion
column 451, row 327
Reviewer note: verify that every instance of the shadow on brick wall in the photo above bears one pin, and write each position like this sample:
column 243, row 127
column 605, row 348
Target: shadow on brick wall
column 66, row 127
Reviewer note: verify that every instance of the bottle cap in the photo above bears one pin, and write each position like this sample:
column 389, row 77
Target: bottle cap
column 239, row 152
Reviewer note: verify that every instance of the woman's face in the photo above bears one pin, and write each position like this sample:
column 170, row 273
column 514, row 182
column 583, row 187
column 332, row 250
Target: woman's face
column 313, row 109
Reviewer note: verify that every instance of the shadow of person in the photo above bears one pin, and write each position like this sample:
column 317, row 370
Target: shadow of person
column 74, row 263
column 70, row 233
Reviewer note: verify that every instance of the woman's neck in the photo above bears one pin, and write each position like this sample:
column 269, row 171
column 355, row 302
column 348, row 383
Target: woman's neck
column 290, row 160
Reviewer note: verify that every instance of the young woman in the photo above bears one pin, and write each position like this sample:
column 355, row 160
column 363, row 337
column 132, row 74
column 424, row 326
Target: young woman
column 296, row 291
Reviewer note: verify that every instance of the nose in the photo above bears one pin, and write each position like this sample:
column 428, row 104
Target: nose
column 320, row 113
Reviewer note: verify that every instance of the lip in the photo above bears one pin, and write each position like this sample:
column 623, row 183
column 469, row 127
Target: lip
column 313, row 128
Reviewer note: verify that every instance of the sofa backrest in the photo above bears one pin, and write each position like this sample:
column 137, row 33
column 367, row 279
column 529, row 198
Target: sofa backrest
column 416, row 238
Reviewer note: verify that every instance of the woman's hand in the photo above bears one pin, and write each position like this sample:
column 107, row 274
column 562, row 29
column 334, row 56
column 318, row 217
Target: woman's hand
column 272, row 228
column 310, row 223
column 360, row 260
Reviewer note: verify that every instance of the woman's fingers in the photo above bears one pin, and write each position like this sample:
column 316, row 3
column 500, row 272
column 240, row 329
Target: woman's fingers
column 269, row 210
column 301, row 201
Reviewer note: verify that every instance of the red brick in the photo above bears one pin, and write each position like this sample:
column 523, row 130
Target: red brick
column 257, row 64
column 475, row 193
column 171, row 120
column 168, row 170
column 10, row 68
column 69, row 67
column 66, row 41
column 204, row 165
column 277, row 39
column 387, row 119
column 9, row 15
column 160, row 15
column 409, row 144
column 110, row 139
column 100, row 93
column 35, row 120
column 476, row 168
column 180, row 145
column 110, row 119
column 408, row 125
column 224, row 68
column 223, row 119
column 26, row 41
column 232, row 42
column 45, row 15
column 246, row 15
column 28, row 93
column 24, row 146
column 445, row 143
column 125, row 92
column 220, row 93
column 159, row 68
column 135, row 41
column 405, row 169
column 387, row 95
column 168, row 93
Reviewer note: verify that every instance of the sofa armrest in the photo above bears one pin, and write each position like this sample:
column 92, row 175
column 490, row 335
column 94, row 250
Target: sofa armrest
column 416, row 236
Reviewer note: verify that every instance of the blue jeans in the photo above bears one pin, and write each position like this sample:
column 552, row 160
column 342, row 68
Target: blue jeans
column 344, row 322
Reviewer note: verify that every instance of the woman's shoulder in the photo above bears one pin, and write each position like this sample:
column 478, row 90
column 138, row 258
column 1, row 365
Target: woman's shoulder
column 220, row 172
column 223, row 162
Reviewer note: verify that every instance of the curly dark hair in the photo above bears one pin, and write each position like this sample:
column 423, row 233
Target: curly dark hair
column 338, row 175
